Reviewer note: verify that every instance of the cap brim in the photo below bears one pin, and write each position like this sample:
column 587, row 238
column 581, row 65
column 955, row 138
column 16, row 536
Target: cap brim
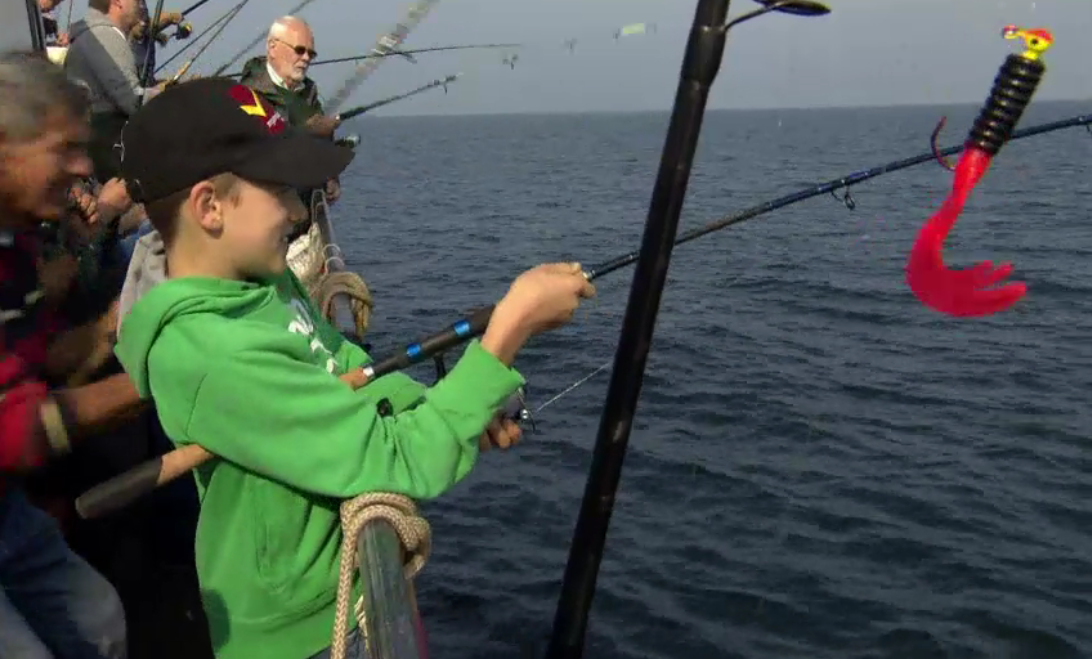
column 298, row 160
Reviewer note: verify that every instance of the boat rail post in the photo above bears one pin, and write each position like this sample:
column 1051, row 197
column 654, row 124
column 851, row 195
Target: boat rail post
column 392, row 625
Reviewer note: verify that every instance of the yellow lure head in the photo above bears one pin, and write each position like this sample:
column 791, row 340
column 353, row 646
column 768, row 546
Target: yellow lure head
column 1037, row 40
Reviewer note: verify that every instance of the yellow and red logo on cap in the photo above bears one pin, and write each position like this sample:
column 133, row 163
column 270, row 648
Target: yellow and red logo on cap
column 251, row 103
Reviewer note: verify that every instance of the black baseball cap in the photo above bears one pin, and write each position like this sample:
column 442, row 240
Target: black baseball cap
column 211, row 126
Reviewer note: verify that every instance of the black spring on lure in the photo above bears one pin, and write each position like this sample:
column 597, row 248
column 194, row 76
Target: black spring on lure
column 1013, row 88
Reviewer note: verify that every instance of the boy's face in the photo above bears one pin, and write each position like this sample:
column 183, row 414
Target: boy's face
column 255, row 228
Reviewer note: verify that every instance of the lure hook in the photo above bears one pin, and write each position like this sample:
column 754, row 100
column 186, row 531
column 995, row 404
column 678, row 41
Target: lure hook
column 981, row 289
column 846, row 198
column 941, row 160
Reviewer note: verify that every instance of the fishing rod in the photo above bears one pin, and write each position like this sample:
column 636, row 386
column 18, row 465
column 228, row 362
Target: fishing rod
column 359, row 110
column 215, row 25
column 194, row 7
column 386, row 44
column 129, row 486
column 146, row 72
column 212, row 39
column 183, row 29
column 407, row 53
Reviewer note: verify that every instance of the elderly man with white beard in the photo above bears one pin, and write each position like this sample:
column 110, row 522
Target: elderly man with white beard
column 280, row 77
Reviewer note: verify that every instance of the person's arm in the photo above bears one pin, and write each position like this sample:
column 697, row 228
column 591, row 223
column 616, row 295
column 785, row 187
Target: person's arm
column 37, row 424
column 101, row 405
column 265, row 409
column 116, row 69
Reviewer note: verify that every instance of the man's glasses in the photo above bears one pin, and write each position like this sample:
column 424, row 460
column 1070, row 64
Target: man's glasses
column 300, row 50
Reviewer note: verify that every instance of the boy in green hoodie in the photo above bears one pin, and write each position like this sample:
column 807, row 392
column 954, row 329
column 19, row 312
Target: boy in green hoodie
column 239, row 361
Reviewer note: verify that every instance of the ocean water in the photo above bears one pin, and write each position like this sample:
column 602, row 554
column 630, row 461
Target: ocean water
column 820, row 466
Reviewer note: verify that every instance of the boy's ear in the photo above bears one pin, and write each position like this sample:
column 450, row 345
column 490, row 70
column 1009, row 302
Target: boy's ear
column 205, row 207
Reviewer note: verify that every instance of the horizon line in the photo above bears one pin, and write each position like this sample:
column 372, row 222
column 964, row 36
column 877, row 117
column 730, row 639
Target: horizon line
column 789, row 108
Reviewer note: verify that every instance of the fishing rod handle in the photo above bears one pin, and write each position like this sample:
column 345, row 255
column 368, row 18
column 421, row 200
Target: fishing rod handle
column 127, row 487
column 459, row 332
column 1013, row 87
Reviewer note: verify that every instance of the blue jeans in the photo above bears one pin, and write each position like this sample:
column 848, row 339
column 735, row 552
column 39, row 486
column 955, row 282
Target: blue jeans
column 128, row 243
column 353, row 650
column 53, row 605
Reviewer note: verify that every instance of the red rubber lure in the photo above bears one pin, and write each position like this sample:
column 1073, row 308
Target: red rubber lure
column 958, row 292
column 975, row 291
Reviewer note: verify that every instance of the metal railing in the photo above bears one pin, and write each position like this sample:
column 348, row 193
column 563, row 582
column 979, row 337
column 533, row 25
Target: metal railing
column 392, row 628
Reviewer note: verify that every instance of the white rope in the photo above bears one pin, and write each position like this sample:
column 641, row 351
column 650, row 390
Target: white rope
column 413, row 531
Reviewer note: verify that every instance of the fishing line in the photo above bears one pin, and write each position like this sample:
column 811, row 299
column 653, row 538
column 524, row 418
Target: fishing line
column 228, row 16
column 212, row 39
column 569, row 389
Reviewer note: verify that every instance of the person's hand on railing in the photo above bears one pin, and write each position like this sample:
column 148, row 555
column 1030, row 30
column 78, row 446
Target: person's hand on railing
column 333, row 191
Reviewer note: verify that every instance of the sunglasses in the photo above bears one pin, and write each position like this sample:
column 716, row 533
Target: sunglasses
column 300, row 50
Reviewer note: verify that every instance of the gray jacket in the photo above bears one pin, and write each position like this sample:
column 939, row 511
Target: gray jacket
column 101, row 59
column 147, row 268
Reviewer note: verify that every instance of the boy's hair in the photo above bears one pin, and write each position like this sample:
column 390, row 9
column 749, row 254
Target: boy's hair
column 163, row 214
column 99, row 5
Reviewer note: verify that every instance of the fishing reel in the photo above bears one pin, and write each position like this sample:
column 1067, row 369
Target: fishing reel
column 515, row 409
column 351, row 141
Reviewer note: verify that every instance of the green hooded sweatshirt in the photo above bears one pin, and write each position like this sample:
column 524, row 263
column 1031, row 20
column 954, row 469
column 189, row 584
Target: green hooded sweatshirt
column 249, row 371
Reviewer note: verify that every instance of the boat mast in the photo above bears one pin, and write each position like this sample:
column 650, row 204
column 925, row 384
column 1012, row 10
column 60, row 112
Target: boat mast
column 704, row 52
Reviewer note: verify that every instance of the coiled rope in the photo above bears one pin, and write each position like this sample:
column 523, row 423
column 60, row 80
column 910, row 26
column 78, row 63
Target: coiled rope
column 413, row 531
column 322, row 270
column 327, row 286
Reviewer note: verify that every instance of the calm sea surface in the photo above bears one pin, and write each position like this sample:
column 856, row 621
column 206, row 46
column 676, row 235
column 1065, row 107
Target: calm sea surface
column 820, row 467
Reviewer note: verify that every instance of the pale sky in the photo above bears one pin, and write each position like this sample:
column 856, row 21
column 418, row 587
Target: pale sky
column 866, row 52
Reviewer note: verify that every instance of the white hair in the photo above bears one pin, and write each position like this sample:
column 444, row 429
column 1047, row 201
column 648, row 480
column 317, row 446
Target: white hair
column 280, row 27
column 34, row 89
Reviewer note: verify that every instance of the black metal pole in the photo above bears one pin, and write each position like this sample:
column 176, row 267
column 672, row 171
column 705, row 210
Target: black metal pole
column 704, row 52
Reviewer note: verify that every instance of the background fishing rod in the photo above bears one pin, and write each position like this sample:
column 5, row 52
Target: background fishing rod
column 215, row 28
column 194, row 7
column 386, row 44
column 359, row 110
column 404, row 53
column 131, row 485
column 146, row 72
column 407, row 53
column 223, row 25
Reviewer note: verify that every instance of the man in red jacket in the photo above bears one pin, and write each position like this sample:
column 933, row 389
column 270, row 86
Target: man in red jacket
column 52, row 603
